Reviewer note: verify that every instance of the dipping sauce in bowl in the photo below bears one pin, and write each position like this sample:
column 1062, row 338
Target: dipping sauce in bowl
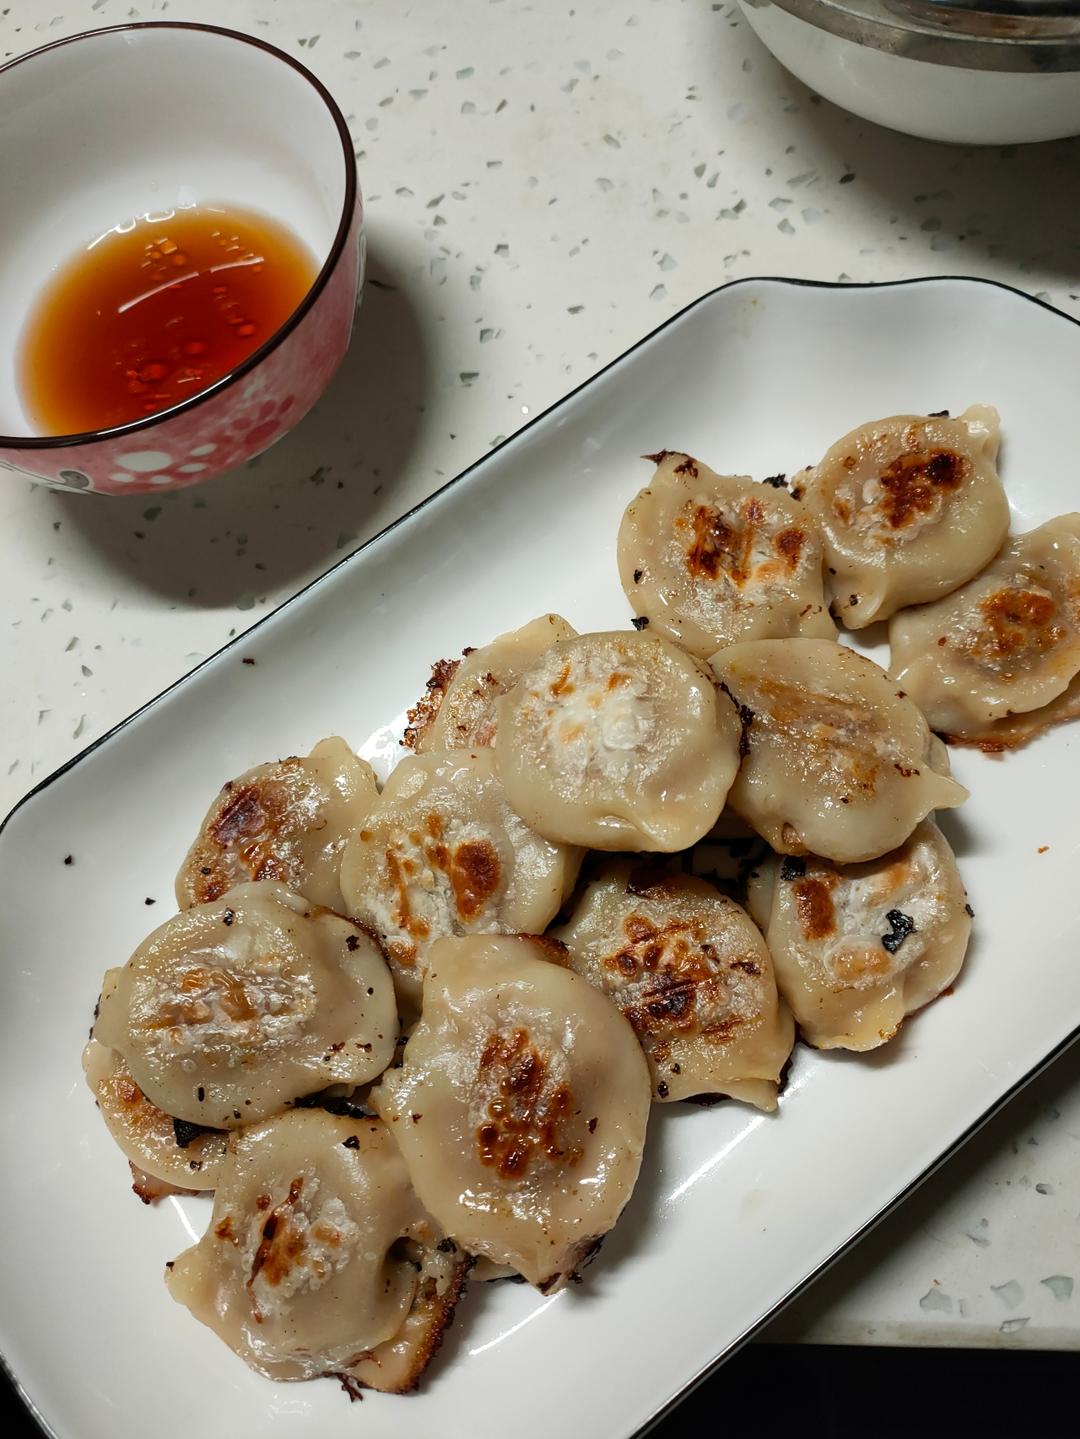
column 175, row 295
column 155, row 310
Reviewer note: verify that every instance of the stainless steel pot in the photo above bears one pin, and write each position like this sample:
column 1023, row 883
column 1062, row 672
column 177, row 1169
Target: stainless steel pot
column 972, row 71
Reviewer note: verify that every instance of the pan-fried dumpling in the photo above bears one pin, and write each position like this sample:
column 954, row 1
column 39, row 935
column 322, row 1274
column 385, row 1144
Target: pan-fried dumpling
column 445, row 854
column 520, row 1106
column 838, row 763
column 1004, row 645
column 162, row 1147
column 1017, row 730
column 288, row 821
column 709, row 559
column 459, row 710
column 618, row 741
column 319, row 1259
column 909, row 507
column 857, row 947
column 232, row 1010
column 690, row 971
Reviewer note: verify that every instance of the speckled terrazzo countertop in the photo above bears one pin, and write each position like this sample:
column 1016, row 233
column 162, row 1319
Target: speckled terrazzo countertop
column 545, row 184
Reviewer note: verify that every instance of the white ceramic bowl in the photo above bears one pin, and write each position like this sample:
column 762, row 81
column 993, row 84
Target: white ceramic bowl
column 974, row 72
column 144, row 119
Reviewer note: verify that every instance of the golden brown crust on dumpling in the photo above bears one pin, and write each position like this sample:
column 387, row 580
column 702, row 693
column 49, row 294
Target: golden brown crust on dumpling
column 709, row 560
column 691, row 972
column 909, row 507
column 166, row 1155
column 425, row 711
column 1003, row 646
column 286, row 821
column 398, row 1365
column 319, row 1259
column 230, row 1011
column 445, row 853
column 838, row 761
column 460, row 710
column 520, row 1106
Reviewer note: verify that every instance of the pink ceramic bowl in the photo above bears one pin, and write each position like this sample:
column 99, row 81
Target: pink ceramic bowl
column 144, row 119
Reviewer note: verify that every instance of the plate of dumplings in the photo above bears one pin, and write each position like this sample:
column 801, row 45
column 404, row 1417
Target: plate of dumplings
column 521, row 963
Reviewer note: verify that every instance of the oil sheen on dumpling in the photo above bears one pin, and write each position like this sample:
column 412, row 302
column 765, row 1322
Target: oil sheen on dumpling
column 712, row 559
column 520, row 1106
column 232, row 1010
column 459, row 711
column 319, row 1259
column 909, row 507
column 618, row 741
column 1006, row 644
column 164, row 1148
column 690, row 971
column 837, row 762
column 288, row 821
column 444, row 853
column 857, row 947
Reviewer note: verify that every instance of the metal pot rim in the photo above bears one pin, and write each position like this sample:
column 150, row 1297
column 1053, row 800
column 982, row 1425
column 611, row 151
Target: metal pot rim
column 986, row 35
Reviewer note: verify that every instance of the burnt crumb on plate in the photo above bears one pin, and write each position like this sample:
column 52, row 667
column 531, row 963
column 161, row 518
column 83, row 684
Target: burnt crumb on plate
column 640, row 622
column 148, row 900
column 353, row 1142
column 778, row 482
column 637, row 576
column 938, row 415
column 69, row 859
column 247, row 660
column 969, row 911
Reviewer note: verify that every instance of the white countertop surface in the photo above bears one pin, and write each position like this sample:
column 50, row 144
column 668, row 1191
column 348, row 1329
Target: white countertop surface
column 545, row 184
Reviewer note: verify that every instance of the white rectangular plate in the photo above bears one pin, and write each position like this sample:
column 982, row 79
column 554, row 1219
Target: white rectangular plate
column 735, row 1210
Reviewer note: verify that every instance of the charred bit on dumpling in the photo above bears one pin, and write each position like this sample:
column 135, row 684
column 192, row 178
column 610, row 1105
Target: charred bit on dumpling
column 425, row 711
column 839, row 764
column 910, row 507
column 285, row 821
column 714, row 559
column 534, row 1096
column 466, row 714
column 998, row 660
column 690, row 971
column 223, row 1024
column 319, row 1259
column 445, row 853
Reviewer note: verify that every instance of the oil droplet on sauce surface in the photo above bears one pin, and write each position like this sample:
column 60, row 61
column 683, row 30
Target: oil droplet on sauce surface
column 155, row 311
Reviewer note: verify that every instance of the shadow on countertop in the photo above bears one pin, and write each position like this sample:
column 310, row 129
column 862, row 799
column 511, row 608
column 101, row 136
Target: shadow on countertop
column 296, row 508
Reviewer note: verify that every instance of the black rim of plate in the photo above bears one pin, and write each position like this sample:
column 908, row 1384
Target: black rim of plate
column 666, row 1406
